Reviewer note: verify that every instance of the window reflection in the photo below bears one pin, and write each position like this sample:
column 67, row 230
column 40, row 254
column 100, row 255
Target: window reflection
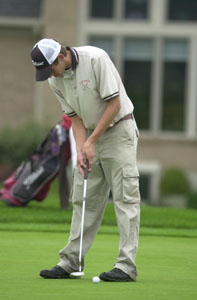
column 105, row 43
column 137, row 78
column 136, row 9
column 174, row 85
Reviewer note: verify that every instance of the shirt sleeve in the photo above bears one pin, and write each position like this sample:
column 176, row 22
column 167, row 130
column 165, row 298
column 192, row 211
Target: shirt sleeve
column 67, row 109
column 106, row 77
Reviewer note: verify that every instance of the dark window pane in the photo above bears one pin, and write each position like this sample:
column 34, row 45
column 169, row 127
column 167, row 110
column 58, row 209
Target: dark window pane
column 173, row 96
column 20, row 8
column 137, row 77
column 101, row 8
column 144, row 183
column 105, row 43
column 137, row 80
column 175, row 55
column 136, row 9
column 182, row 10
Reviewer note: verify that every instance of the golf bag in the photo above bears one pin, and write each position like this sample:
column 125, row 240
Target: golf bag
column 32, row 179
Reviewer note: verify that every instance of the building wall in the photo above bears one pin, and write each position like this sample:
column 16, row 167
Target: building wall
column 21, row 98
column 169, row 152
column 62, row 25
column 16, row 84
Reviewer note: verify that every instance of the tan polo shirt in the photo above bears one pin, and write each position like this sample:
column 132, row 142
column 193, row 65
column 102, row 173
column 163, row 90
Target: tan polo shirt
column 86, row 90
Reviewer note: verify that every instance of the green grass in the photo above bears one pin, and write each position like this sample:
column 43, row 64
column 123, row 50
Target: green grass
column 32, row 236
column 47, row 216
column 167, row 268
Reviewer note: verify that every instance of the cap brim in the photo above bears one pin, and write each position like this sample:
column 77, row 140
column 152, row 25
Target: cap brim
column 43, row 74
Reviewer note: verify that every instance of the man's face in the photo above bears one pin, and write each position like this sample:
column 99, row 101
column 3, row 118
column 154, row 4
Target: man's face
column 58, row 68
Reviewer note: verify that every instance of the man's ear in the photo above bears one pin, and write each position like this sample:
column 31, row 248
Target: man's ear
column 60, row 55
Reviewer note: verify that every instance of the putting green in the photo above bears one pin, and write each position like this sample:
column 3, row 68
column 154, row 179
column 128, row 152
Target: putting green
column 167, row 268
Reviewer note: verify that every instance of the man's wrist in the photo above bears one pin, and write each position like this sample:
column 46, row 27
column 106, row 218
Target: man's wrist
column 79, row 149
column 92, row 139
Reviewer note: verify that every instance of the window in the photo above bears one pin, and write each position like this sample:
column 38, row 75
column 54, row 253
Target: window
column 150, row 174
column 144, row 184
column 20, row 8
column 101, row 8
column 105, row 43
column 136, row 9
column 182, row 10
column 137, row 77
column 138, row 64
column 174, row 84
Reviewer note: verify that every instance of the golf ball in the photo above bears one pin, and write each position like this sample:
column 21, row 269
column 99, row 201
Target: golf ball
column 96, row 279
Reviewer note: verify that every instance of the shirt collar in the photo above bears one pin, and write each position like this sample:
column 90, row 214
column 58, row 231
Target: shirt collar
column 75, row 57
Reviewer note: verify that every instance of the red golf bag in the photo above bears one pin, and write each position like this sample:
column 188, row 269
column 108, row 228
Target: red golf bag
column 32, row 179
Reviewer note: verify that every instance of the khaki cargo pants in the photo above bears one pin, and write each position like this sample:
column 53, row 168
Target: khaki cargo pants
column 114, row 169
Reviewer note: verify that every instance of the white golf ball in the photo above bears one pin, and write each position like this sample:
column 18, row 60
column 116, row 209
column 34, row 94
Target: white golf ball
column 95, row 279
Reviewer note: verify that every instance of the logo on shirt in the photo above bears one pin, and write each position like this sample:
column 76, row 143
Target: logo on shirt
column 85, row 84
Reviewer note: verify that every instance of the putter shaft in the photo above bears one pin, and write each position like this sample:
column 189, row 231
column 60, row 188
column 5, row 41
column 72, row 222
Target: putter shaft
column 83, row 215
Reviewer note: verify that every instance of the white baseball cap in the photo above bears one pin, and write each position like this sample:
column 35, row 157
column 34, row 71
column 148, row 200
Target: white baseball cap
column 43, row 54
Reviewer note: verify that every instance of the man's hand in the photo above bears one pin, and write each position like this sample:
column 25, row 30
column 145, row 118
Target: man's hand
column 81, row 162
column 86, row 147
column 112, row 109
column 89, row 151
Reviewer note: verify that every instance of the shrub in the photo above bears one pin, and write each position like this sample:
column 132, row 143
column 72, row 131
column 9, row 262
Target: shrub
column 192, row 200
column 17, row 145
column 174, row 182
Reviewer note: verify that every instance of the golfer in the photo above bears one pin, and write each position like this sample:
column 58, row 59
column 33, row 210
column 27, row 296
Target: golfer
column 91, row 93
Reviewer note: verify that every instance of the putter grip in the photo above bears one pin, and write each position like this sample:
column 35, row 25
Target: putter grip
column 86, row 170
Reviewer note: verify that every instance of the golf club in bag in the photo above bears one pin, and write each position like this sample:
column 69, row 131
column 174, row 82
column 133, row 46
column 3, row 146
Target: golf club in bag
column 32, row 179
column 80, row 273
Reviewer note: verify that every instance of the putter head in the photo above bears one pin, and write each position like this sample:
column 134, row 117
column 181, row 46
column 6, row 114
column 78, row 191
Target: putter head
column 76, row 274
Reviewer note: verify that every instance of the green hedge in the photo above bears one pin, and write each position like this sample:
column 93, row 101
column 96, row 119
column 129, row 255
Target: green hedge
column 192, row 200
column 17, row 145
column 174, row 181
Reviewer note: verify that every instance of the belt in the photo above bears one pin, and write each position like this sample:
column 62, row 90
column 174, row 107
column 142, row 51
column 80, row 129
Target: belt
column 127, row 117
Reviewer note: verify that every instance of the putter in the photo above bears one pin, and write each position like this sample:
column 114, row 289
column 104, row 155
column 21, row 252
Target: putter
column 80, row 273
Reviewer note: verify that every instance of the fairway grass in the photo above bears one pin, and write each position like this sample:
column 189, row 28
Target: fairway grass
column 167, row 268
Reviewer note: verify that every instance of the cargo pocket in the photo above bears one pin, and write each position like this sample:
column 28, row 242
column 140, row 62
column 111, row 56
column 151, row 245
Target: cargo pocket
column 130, row 185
